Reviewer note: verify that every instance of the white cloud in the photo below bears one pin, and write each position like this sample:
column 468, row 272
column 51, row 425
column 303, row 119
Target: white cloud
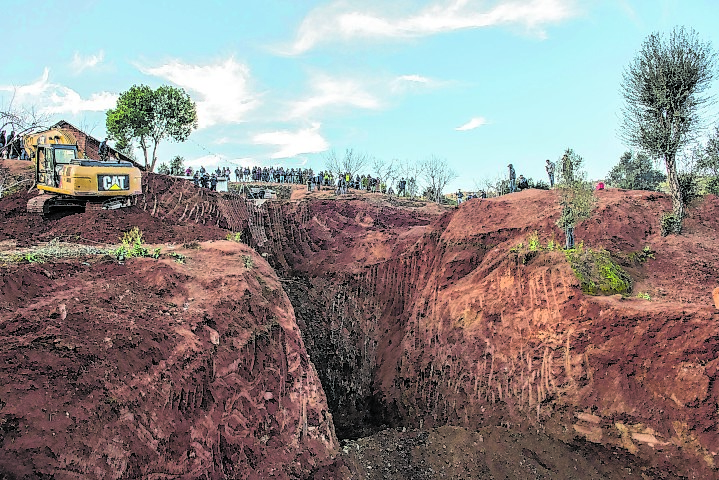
column 473, row 123
column 80, row 62
column 223, row 88
column 414, row 79
column 292, row 144
column 58, row 99
column 66, row 100
column 212, row 161
column 340, row 21
column 412, row 83
column 333, row 92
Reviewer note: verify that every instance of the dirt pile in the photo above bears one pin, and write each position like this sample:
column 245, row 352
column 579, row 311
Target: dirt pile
column 155, row 369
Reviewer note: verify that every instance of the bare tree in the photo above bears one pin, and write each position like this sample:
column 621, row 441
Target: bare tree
column 437, row 174
column 20, row 120
column 410, row 171
column 352, row 162
column 662, row 90
column 385, row 171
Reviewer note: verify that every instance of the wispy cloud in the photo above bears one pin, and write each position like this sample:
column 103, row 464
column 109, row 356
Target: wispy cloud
column 292, row 144
column 327, row 92
column 476, row 122
column 83, row 62
column 342, row 21
column 223, row 88
column 57, row 99
column 212, row 161
column 414, row 83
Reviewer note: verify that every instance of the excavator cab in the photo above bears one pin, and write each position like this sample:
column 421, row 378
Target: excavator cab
column 50, row 162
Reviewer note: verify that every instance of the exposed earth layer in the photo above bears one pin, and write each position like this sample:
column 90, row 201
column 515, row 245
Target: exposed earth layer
column 413, row 316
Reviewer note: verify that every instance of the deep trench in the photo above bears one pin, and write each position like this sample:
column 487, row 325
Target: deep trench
column 338, row 315
column 345, row 370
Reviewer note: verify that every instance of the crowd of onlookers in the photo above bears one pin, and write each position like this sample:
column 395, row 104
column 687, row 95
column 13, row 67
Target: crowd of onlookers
column 12, row 146
column 302, row 176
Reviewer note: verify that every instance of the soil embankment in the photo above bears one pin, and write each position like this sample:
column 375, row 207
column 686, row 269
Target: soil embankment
column 422, row 318
column 155, row 369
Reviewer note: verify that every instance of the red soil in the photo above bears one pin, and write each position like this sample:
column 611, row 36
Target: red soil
column 153, row 369
column 413, row 315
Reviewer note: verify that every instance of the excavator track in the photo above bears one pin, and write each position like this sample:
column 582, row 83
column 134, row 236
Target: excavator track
column 40, row 204
column 44, row 203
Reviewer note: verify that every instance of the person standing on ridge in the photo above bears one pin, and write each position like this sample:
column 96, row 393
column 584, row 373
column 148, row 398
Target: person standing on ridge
column 512, row 179
column 550, row 172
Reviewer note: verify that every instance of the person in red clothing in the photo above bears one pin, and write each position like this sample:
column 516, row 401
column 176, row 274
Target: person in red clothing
column 600, row 186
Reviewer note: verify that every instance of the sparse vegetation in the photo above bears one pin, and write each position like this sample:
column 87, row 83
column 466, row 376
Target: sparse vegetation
column 669, row 223
column 53, row 250
column 597, row 272
column 179, row 258
column 247, row 261
column 234, row 237
column 643, row 255
column 132, row 246
column 644, row 296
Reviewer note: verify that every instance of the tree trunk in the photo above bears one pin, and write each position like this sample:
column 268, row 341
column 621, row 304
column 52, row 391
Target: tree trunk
column 143, row 145
column 675, row 190
column 154, row 156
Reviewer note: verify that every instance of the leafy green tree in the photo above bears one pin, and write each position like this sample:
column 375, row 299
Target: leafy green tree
column 177, row 165
column 635, row 171
column 163, row 169
column 662, row 89
column 149, row 116
column 576, row 194
column 708, row 161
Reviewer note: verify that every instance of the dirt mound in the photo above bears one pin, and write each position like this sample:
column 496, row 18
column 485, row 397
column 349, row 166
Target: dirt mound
column 150, row 214
column 156, row 369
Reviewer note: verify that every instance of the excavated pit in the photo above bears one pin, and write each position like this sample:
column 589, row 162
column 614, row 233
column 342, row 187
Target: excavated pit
column 420, row 318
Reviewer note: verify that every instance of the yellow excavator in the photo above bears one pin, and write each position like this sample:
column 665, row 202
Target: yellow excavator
column 67, row 181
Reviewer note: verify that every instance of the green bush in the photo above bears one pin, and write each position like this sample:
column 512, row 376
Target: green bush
column 669, row 223
column 234, row 237
column 712, row 185
column 132, row 246
column 247, row 261
column 597, row 273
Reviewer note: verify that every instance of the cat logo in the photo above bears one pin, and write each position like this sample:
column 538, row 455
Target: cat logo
column 110, row 183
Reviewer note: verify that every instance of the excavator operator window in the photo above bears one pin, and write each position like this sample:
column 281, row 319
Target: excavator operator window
column 63, row 156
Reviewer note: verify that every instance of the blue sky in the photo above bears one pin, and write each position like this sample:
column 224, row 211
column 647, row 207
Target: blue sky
column 283, row 82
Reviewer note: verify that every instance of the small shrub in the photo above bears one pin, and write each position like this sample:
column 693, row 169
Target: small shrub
column 247, row 261
column 132, row 246
column 643, row 255
column 669, row 224
column 179, row 258
column 712, row 186
column 644, row 296
column 533, row 242
column 234, row 237
column 193, row 245
column 33, row 257
column 597, row 273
